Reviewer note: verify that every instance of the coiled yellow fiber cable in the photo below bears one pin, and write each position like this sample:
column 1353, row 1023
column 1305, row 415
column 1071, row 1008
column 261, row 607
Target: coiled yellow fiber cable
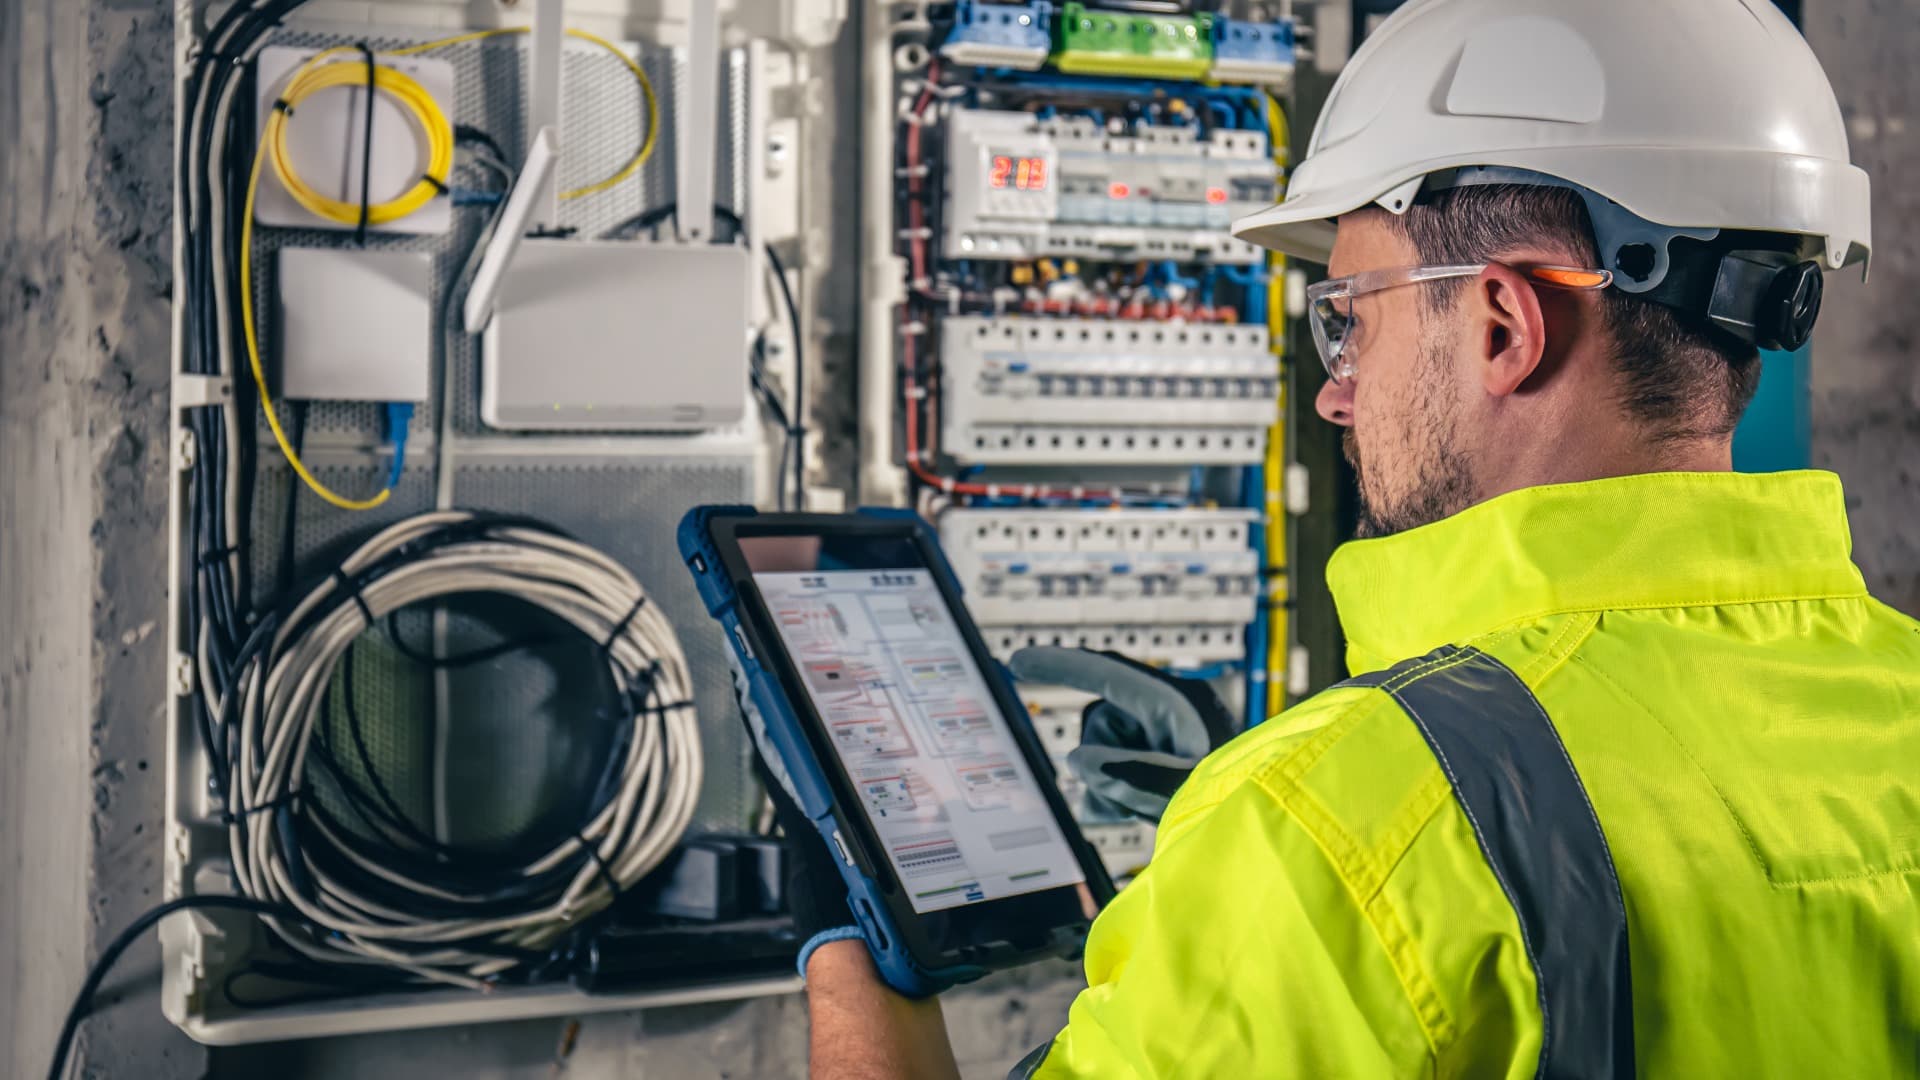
column 318, row 74
column 407, row 93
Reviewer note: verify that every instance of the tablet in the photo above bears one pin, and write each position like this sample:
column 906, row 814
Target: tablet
column 900, row 738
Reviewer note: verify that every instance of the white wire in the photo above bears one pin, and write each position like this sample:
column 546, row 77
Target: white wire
column 282, row 693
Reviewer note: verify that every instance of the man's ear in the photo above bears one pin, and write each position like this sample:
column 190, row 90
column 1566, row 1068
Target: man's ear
column 1510, row 335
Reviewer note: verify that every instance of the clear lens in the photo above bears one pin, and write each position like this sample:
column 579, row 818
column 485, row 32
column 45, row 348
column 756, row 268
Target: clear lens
column 1332, row 320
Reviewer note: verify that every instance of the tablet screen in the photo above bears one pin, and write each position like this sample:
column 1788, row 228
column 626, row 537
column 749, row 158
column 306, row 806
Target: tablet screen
column 910, row 715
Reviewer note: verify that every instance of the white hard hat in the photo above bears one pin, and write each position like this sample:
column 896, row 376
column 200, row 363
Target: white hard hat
column 1697, row 115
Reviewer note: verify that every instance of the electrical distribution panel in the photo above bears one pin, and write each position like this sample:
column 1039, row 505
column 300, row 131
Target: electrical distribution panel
column 1023, row 187
column 1083, row 359
column 1065, row 391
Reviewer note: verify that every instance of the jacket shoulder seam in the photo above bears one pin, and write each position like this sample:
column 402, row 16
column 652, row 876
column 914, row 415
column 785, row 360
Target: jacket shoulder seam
column 1360, row 870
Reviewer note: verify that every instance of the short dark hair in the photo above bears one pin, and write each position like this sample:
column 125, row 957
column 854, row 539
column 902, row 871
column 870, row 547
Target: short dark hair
column 1680, row 379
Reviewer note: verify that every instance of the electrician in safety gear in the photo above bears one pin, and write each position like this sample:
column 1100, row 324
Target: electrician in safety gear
column 1626, row 781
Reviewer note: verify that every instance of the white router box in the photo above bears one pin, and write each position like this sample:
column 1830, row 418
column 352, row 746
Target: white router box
column 354, row 325
column 618, row 336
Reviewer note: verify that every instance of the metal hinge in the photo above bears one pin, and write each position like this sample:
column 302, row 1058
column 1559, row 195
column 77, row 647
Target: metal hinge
column 1298, row 500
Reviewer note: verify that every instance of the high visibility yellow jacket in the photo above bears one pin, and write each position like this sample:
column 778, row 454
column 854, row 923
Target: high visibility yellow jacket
column 1649, row 800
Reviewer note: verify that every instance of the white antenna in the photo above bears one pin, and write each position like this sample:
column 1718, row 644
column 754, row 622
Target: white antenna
column 698, row 130
column 523, row 202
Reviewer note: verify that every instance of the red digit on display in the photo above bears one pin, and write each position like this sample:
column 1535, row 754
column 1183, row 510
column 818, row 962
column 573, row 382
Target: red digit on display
column 1001, row 171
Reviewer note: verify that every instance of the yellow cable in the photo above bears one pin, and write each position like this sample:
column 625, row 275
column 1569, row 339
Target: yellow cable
column 316, row 75
column 1278, row 646
column 252, row 332
column 639, row 75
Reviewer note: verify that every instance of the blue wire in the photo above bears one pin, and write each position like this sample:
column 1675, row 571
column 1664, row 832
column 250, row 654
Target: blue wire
column 1212, row 671
column 1253, row 494
column 399, row 420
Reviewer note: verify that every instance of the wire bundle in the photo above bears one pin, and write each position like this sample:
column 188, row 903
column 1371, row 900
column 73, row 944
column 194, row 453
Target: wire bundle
column 424, row 910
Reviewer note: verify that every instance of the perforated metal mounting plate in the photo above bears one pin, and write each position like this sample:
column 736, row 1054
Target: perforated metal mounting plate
column 622, row 494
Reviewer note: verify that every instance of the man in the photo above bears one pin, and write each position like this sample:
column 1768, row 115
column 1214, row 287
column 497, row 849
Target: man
column 1626, row 782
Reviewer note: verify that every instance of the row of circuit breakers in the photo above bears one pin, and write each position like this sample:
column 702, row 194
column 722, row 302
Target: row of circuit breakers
column 1179, row 583
column 1154, row 583
column 1127, row 339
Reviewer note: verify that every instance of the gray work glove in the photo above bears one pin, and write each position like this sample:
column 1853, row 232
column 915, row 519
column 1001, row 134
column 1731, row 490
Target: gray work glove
column 1142, row 739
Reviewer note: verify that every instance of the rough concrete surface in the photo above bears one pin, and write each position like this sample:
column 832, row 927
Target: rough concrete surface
column 1866, row 358
column 85, row 108
column 85, row 112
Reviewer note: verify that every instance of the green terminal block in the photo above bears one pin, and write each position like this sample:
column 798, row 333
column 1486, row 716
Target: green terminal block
column 1092, row 42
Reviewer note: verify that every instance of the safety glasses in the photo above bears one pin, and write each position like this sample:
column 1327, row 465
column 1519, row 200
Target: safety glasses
column 1330, row 302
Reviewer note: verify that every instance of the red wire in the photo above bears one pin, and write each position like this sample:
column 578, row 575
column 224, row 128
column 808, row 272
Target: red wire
column 909, row 384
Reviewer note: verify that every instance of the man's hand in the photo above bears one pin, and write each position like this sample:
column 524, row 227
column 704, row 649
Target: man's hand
column 863, row 1029
column 1142, row 739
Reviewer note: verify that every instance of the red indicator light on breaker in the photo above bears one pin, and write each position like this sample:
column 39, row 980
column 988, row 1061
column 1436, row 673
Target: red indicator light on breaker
column 1118, row 190
column 1216, row 195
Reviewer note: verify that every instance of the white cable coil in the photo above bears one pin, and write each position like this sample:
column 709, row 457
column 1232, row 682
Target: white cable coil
column 283, row 690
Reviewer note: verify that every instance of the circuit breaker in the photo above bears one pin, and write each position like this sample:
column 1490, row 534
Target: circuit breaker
column 1064, row 391
column 1176, row 585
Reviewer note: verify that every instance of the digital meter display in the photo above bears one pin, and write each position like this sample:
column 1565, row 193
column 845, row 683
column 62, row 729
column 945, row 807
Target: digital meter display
column 1018, row 173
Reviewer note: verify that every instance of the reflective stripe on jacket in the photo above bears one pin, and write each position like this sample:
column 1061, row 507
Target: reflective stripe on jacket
column 1648, row 804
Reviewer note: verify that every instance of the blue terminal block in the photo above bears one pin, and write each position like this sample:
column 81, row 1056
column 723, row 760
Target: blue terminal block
column 1018, row 36
column 1250, row 52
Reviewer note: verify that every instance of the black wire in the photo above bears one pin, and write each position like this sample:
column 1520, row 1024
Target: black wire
column 467, row 133
column 288, row 523
column 83, row 1001
column 757, row 373
column 366, row 151
column 425, row 657
column 799, row 427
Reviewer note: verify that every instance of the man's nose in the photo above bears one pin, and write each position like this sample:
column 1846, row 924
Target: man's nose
column 1335, row 403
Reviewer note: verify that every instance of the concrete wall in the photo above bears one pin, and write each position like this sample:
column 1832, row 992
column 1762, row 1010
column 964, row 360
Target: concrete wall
column 85, row 112
column 1866, row 360
column 85, row 100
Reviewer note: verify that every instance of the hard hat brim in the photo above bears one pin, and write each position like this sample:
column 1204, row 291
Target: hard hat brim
column 1774, row 192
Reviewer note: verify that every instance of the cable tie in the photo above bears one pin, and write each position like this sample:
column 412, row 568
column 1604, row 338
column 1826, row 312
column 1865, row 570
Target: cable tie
column 215, row 558
column 282, row 105
column 359, row 601
column 600, row 862
column 620, row 628
column 366, row 156
column 437, row 185
column 634, row 697
column 228, row 817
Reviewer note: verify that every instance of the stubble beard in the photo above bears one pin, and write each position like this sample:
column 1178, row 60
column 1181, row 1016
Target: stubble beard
column 1442, row 472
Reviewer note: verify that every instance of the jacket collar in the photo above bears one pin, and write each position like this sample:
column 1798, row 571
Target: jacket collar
column 1649, row 541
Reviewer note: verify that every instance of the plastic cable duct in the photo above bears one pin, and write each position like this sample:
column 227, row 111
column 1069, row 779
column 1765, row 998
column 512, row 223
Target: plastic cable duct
column 406, row 900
